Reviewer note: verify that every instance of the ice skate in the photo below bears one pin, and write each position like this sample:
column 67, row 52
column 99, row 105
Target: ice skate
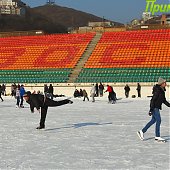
column 113, row 102
column 140, row 134
column 40, row 128
column 159, row 139
column 17, row 106
column 70, row 102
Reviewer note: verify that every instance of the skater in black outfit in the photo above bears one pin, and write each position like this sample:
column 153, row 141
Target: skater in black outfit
column 127, row 90
column 1, row 93
column 51, row 91
column 39, row 101
column 139, row 90
column 97, row 90
column 101, row 88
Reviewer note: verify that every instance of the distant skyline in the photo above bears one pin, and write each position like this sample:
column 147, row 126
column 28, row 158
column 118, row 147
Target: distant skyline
column 116, row 10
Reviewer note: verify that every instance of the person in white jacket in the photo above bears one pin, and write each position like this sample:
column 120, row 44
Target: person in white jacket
column 17, row 96
column 93, row 92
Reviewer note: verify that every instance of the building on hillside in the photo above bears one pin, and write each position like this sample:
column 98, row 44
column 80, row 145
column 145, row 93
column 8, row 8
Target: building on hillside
column 50, row 2
column 103, row 26
column 146, row 16
column 12, row 7
column 150, row 22
column 163, row 19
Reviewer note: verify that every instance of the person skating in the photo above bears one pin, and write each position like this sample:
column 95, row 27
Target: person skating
column 85, row 95
column 1, row 93
column 155, row 106
column 127, row 90
column 42, row 103
column 22, row 92
column 17, row 96
column 101, row 88
column 112, row 94
column 51, row 91
column 93, row 92
column 45, row 90
column 97, row 90
column 139, row 90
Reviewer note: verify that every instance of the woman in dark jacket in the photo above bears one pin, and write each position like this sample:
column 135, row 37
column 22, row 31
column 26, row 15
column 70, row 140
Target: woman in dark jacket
column 39, row 101
column 156, row 105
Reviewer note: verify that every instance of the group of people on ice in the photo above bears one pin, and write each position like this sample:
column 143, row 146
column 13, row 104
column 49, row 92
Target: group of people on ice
column 98, row 90
column 95, row 92
column 127, row 90
column 41, row 103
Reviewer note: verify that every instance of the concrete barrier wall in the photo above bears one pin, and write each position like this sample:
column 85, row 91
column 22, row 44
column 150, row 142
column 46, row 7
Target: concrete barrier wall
column 68, row 89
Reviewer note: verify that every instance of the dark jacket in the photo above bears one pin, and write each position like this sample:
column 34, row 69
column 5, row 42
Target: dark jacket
column 158, row 98
column 51, row 89
column 38, row 101
column 127, row 88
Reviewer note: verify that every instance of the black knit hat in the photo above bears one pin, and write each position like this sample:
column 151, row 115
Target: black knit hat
column 27, row 94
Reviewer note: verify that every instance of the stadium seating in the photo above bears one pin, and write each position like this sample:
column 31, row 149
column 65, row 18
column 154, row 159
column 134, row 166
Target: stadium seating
column 48, row 58
column 34, row 76
column 131, row 56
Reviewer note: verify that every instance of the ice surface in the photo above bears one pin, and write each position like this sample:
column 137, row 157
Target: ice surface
column 82, row 135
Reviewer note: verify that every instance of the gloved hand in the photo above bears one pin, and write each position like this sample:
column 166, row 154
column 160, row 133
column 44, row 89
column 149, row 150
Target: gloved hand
column 150, row 113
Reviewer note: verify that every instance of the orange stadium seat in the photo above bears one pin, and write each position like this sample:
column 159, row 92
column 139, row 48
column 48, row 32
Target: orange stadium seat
column 48, row 51
column 37, row 57
column 131, row 49
column 130, row 56
column 120, row 53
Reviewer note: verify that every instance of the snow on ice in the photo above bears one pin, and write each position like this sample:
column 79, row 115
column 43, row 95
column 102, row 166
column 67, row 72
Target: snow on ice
column 82, row 135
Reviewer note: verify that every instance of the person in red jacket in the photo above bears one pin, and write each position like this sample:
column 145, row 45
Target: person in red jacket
column 111, row 96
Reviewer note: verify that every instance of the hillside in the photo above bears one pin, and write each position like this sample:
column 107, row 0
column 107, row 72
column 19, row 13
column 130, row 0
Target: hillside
column 32, row 21
column 67, row 16
column 49, row 18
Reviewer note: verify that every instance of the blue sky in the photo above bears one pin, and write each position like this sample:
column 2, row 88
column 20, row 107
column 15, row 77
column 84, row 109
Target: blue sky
column 116, row 10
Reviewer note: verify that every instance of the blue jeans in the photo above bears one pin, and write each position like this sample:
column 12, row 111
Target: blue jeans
column 18, row 100
column 156, row 117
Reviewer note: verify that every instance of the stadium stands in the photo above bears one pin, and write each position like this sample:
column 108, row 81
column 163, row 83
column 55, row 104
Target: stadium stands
column 38, row 59
column 131, row 56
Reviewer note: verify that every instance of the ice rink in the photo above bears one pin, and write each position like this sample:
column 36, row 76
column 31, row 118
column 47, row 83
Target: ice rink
column 83, row 135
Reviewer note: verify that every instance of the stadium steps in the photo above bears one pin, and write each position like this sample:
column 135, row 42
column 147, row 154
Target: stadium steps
column 75, row 72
